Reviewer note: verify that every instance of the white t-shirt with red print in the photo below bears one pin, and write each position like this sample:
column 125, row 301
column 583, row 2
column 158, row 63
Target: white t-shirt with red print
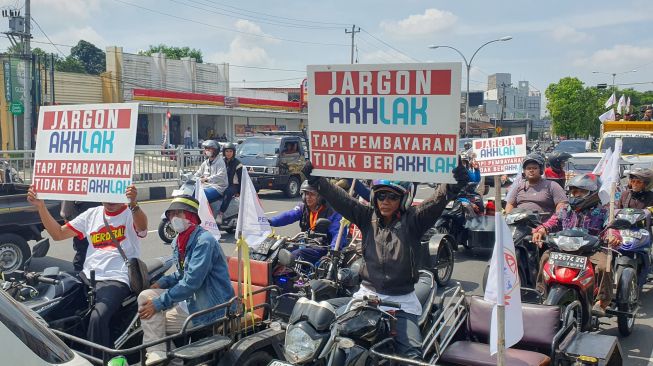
column 102, row 254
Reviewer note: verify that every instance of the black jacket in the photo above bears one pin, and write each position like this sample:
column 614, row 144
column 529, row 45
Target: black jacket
column 641, row 200
column 390, row 263
column 234, row 172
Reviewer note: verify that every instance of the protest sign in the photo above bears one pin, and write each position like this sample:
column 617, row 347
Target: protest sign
column 499, row 155
column 85, row 152
column 389, row 121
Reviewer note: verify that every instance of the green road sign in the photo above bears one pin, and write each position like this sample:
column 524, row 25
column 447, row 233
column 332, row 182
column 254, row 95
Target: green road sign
column 16, row 108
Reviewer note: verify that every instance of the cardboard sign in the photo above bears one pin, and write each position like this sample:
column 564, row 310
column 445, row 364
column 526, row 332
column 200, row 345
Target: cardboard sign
column 500, row 155
column 85, row 152
column 389, row 121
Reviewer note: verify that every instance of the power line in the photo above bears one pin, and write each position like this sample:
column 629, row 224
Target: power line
column 389, row 45
column 266, row 68
column 265, row 36
column 46, row 36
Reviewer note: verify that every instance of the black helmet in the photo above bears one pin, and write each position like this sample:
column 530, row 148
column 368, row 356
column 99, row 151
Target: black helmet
column 644, row 174
column 467, row 145
column 229, row 146
column 589, row 182
column 533, row 158
column 558, row 158
column 307, row 187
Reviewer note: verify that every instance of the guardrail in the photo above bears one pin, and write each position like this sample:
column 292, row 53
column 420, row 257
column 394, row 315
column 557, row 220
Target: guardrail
column 150, row 164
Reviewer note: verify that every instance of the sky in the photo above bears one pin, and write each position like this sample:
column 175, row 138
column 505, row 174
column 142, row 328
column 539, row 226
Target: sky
column 269, row 42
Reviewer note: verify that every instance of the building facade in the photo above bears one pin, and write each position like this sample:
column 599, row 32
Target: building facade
column 519, row 102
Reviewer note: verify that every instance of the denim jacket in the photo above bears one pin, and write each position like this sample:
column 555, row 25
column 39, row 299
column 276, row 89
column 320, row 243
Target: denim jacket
column 203, row 281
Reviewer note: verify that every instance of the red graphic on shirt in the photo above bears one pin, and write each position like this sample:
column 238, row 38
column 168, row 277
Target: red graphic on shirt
column 101, row 239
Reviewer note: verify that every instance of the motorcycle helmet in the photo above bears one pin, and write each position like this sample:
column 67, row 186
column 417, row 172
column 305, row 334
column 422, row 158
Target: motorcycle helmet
column 307, row 187
column 533, row 158
column 558, row 158
column 211, row 144
column 589, row 182
column 467, row 145
column 405, row 189
column 229, row 146
column 644, row 174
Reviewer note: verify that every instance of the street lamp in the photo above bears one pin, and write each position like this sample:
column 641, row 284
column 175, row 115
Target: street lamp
column 614, row 74
column 469, row 67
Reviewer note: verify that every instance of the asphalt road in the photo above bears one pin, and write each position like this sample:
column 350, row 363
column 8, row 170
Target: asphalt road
column 468, row 270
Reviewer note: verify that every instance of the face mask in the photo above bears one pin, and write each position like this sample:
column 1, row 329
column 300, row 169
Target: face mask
column 208, row 154
column 179, row 224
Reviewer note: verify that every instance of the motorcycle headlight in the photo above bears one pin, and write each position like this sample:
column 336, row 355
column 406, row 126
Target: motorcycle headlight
column 299, row 346
column 570, row 243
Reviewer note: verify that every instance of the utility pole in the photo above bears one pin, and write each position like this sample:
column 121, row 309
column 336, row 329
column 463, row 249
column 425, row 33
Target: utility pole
column 353, row 32
column 27, row 95
column 503, row 105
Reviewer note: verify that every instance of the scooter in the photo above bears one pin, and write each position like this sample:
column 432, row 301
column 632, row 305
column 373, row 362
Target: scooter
column 229, row 219
column 569, row 276
column 65, row 300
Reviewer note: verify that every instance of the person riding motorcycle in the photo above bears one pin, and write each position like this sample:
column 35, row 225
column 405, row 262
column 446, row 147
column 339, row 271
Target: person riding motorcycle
column 234, row 176
column 585, row 212
column 555, row 171
column 533, row 192
column 471, row 165
column 391, row 229
column 638, row 194
column 212, row 172
column 312, row 208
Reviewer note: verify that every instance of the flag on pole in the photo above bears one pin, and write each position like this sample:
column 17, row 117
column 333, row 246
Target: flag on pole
column 607, row 116
column 621, row 104
column 504, row 285
column 610, row 173
column 610, row 102
column 252, row 222
column 205, row 213
column 598, row 169
column 627, row 104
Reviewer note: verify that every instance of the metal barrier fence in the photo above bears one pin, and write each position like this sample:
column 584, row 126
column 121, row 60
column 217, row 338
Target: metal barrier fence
column 150, row 164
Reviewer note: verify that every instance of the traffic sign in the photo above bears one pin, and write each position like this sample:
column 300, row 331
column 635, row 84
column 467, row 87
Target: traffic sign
column 499, row 129
column 16, row 108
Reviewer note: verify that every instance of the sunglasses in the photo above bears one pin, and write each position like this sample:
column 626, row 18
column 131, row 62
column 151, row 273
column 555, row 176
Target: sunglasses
column 382, row 196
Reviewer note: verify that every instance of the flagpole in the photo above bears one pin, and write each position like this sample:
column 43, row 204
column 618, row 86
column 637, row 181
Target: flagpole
column 501, row 309
column 239, row 237
column 342, row 223
column 613, row 190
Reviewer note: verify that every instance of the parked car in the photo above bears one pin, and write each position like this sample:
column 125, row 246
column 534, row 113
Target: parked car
column 274, row 160
column 574, row 146
column 19, row 223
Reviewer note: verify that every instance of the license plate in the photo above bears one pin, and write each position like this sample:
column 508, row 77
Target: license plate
column 568, row 260
column 279, row 363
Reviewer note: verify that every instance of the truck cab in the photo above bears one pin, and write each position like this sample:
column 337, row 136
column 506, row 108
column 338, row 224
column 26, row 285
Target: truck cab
column 636, row 137
column 274, row 160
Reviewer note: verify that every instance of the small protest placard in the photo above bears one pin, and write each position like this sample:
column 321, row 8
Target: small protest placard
column 499, row 155
column 388, row 121
column 85, row 152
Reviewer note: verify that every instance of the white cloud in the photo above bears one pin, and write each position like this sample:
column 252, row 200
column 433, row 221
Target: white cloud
column 245, row 49
column 432, row 21
column 621, row 56
column 565, row 33
column 382, row 57
column 68, row 9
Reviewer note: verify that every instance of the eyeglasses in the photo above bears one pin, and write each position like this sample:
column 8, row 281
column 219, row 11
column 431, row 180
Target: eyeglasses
column 382, row 196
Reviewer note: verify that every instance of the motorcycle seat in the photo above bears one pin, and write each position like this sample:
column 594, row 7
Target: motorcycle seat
column 425, row 289
column 478, row 354
column 153, row 264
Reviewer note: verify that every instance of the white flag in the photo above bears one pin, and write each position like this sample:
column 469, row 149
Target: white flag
column 598, row 169
column 252, row 222
column 610, row 101
column 627, row 104
column 610, row 173
column 205, row 213
column 607, row 116
column 621, row 104
column 504, row 285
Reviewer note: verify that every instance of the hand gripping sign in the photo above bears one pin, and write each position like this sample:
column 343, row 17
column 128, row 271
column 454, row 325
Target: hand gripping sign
column 499, row 155
column 392, row 121
column 85, row 152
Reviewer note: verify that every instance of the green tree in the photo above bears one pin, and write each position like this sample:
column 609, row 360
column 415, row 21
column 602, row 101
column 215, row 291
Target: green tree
column 174, row 53
column 574, row 108
column 89, row 56
column 69, row 64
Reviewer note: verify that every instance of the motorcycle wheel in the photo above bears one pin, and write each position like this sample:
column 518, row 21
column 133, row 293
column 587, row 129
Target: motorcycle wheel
column 445, row 230
column 258, row 358
column 444, row 266
column 627, row 300
column 166, row 233
column 14, row 251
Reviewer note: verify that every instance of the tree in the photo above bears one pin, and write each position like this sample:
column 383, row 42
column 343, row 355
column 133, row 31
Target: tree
column 90, row 57
column 574, row 109
column 69, row 64
column 174, row 53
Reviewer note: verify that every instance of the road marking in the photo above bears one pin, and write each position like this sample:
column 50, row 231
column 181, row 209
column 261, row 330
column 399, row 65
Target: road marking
column 152, row 231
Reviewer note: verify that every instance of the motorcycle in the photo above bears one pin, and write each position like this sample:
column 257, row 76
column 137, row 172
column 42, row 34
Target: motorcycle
column 318, row 333
column 569, row 276
column 65, row 300
column 9, row 173
column 188, row 184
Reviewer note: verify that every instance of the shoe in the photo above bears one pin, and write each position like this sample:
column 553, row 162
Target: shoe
column 598, row 310
column 218, row 219
column 155, row 357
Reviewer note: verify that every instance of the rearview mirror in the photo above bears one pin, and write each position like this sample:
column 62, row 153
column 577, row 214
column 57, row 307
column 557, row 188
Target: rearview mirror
column 286, row 258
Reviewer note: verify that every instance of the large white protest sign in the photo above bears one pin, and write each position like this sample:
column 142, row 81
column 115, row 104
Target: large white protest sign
column 392, row 121
column 85, row 152
column 500, row 155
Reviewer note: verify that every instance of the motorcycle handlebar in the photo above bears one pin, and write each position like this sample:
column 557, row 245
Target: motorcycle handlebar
column 48, row 281
column 390, row 304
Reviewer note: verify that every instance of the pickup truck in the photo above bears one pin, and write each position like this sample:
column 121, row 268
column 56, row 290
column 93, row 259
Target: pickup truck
column 19, row 223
